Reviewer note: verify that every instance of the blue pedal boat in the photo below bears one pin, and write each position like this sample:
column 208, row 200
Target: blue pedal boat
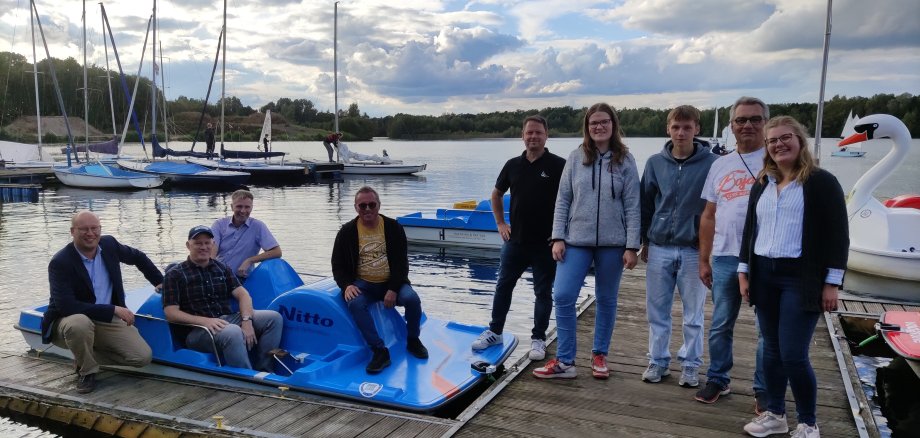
column 457, row 226
column 325, row 351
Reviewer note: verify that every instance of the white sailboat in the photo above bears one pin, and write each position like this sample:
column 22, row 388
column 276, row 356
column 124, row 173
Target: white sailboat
column 848, row 130
column 98, row 175
column 356, row 163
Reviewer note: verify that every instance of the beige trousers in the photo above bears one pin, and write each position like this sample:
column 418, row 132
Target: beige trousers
column 95, row 343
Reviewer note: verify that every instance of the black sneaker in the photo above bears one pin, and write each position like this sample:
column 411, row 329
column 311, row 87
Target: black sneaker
column 711, row 392
column 414, row 346
column 379, row 361
column 86, row 384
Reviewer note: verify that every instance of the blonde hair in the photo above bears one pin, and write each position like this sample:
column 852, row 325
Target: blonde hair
column 804, row 164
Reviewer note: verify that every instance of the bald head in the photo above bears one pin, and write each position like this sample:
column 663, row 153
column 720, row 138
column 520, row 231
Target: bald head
column 86, row 231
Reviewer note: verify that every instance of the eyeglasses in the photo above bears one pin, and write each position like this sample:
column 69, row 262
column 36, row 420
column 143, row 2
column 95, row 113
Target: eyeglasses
column 784, row 139
column 741, row 121
column 597, row 123
column 85, row 230
column 367, row 205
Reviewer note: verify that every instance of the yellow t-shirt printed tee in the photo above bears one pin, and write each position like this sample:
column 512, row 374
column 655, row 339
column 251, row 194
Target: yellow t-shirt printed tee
column 372, row 254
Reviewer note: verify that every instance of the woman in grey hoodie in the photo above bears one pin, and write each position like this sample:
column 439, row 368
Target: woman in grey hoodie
column 596, row 221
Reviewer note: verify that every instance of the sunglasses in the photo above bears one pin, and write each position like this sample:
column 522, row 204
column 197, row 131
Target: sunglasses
column 367, row 205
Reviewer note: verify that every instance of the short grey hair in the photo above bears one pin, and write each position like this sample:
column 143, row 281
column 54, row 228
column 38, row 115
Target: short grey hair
column 747, row 100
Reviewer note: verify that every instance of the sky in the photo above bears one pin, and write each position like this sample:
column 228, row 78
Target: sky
column 436, row 57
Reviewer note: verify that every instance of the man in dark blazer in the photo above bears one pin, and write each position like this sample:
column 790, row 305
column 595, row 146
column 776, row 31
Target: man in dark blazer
column 86, row 313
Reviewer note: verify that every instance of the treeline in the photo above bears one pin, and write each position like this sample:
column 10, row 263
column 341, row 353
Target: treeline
column 298, row 119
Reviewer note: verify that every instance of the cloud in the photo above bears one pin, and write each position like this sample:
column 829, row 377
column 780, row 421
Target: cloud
column 683, row 18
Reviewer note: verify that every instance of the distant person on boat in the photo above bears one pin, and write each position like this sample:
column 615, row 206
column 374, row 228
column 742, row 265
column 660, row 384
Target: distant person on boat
column 86, row 313
column 718, row 149
column 726, row 193
column 265, row 143
column 370, row 263
column 793, row 257
column 209, row 139
column 596, row 221
column 533, row 178
column 330, row 141
column 671, row 206
column 199, row 290
column 239, row 238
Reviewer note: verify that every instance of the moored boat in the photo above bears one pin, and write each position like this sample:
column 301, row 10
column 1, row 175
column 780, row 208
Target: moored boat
column 456, row 226
column 324, row 352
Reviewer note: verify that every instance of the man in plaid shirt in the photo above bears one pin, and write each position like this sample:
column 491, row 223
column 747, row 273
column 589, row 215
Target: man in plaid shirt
column 198, row 291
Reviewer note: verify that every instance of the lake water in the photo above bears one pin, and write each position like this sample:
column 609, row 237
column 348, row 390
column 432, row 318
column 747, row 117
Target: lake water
column 455, row 285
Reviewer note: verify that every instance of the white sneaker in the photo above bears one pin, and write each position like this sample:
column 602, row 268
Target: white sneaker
column 806, row 431
column 537, row 349
column 487, row 339
column 766, row 424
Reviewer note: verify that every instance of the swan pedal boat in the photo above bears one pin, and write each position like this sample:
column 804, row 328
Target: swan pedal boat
column 474, row 228
column 326, row 353
column 884, row 241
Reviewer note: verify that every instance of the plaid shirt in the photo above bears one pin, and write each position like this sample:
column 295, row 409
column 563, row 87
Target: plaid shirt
column 200, row 291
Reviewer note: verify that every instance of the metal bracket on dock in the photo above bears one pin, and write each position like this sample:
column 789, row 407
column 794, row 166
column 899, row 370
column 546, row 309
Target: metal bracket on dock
column 855, row 407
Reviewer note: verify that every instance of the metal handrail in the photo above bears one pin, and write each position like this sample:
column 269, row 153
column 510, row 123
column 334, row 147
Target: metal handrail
column 210, row 335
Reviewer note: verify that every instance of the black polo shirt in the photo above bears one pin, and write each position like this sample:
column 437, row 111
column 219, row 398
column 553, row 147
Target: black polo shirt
column 533, row 195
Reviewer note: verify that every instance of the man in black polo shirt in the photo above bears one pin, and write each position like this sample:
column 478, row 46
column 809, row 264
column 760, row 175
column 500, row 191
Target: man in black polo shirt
column 533, row 179
column 198, row 291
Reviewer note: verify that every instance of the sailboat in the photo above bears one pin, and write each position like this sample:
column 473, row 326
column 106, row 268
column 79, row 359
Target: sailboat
column 714, row 141
column 849, row 128
column 176, row 173
column 259, row 171
column 96, row 175
column 356, row 163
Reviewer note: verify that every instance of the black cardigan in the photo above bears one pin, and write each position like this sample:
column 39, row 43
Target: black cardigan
column 345, row 254
column 825, row 236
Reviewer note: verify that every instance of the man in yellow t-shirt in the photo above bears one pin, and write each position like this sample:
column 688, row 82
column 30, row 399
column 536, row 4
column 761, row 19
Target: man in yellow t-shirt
column 370, row 263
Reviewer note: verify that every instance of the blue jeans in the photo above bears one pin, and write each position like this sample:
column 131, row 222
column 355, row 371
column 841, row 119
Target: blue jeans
column 787, row 330
column 515, row 259
column 266, row 323
column 374, row 292
column 570, row 276
column 726, row 302
column 670, row 266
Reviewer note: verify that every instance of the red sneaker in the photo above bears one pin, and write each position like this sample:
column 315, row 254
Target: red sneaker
column 599, row 366
column 555, row 370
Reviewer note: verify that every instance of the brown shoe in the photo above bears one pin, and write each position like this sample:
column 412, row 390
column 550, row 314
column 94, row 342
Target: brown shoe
column 86, row 384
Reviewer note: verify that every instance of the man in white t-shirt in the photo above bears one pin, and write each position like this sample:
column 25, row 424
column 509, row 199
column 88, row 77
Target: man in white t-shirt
column 726, row 192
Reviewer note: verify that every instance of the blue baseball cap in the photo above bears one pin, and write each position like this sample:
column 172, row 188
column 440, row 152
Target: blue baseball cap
column 199, row 229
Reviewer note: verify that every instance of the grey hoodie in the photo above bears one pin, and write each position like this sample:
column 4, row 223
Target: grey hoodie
column 671, row 202
column 597, row 207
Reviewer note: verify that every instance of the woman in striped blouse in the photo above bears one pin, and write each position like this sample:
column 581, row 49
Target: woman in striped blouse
column 793, row 257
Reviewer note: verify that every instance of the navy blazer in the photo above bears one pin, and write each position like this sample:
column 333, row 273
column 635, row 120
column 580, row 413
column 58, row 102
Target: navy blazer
column 72, row 289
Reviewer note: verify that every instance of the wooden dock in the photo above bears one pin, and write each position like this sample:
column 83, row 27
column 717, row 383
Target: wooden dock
column 27, row 176
column 131, row 405
column 624, row 405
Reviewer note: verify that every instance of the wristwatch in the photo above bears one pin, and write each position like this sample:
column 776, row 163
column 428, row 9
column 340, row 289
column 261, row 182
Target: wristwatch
column 247, row 318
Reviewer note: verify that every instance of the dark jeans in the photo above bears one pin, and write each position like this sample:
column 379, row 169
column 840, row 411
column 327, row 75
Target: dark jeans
column 374, row 292
column 787, row 333
column 515, row 259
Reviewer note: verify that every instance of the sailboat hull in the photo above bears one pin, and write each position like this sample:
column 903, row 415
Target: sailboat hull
column 187, row 174
column 98, row 176
column 259, row 172
column 382, row 169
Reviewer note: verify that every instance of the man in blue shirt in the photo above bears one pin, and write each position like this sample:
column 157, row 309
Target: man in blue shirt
column 86, row 313
column 239, row 238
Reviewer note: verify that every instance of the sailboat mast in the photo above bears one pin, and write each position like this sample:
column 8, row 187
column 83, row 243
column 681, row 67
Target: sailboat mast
column 108, row 73
column 335, row 64
column 827, row 43
column 85, row 90
column 38, row 113
column 57, row 86
column 153, row 83
column 223, row 77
